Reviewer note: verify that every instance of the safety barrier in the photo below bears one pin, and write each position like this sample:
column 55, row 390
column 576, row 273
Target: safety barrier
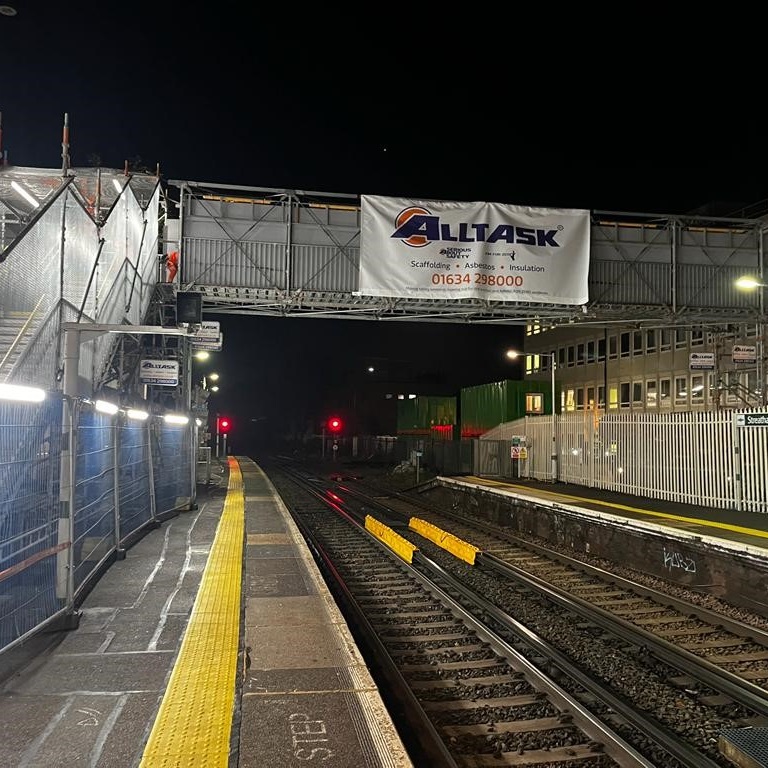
column 69, row 505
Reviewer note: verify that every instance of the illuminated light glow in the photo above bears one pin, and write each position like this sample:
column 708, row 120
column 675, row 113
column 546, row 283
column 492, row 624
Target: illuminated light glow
column 748, row 283
column 104, row 406
column 117, row 186
column 175, row 418
column 21, row 393
column 223, row 425
column 198, row 423
column 23, row 192
column 213, row 376
column 202, row 355
column 214, row 388
column 335, row 424
column 136, row 414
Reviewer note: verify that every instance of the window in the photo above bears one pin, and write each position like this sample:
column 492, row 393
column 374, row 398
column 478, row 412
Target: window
column 600, row 350
column 590, row 352
column 681, row 390
column 534, row 402
column 637, row 393
column 637, row 343
column 561, row 356
column 651, row 394
column 601, row 397
column 579, row 354
column 570, row 400
column 666, row 339
column 580, row 398
column 665, row 392
column 697, row 389
column 571, row 355
column 714, row 389
column 697, row 337
column 681, row 338
column 625, row 344
column 613, row 349
column 591, row 397
column 625, row 394
column 613, row 395
column 650, row 340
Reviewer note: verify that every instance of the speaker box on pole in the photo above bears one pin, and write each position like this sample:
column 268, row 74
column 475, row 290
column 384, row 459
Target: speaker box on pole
column 189, row 307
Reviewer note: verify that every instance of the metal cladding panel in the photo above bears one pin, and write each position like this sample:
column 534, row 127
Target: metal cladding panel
column 325, row 268
column 484, row 406
column 245, row 264
column 425, row 412
column 617, row 282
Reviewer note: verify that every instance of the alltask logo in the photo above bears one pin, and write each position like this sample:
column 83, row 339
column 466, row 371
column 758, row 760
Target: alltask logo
column 154, row 365
column 417, row 227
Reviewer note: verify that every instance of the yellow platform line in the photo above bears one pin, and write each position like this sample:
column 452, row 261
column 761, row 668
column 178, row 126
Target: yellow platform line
column 626, row 508
column 194, row 722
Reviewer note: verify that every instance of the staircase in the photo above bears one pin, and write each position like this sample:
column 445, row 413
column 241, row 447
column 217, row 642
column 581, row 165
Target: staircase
column 15, row 333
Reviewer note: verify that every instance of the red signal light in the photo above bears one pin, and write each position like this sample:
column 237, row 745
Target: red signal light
column 334, row 424
column 223, row 425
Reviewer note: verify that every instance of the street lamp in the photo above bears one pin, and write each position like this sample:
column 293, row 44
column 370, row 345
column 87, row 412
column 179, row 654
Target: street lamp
column 513, row 354
column 749, row 283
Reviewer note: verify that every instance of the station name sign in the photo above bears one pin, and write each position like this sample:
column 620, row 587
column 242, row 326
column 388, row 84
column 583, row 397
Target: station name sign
column 751, row 419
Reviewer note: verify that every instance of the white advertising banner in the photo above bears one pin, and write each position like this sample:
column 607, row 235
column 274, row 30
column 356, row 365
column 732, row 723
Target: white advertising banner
column 744, row 353
column 164, row 373
column 447, row 250
column 208, row 331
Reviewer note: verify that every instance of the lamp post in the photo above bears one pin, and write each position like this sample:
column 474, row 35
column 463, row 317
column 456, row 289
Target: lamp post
column 749, row 283
column 512, row 354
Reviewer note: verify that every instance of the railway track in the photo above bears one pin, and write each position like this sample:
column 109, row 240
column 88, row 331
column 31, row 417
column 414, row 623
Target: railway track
column 493, row 689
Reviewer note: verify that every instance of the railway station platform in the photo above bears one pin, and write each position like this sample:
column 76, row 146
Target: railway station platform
column 722, row 552
column 215, row 642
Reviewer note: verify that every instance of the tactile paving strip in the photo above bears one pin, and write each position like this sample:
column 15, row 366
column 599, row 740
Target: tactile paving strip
column 194, row 722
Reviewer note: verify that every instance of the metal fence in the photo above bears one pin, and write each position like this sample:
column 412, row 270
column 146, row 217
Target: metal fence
column 718, row 458
column 57, row 535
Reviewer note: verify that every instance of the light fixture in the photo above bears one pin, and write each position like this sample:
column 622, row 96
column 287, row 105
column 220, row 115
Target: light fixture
column 104, row 406
column 202, row 355
column 117, row 186
column 213, row 376
column 175, row 418
column 371, row 369
column 136, row 414
column 198, row 422
column 21, row 393
column 23, row 192
column 748, row 283
column 214, row 388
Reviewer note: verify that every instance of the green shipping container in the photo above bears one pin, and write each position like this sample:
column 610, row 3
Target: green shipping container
column 487, row 405
column 426, row 415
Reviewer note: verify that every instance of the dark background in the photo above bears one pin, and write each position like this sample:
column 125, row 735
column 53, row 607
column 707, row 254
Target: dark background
column 557, row 108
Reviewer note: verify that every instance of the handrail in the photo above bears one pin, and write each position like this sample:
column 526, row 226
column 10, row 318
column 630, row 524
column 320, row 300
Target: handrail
column 22, row 332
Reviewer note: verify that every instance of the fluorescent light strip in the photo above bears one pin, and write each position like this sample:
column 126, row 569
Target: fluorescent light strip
column 137, row 415
column 23, row 192
column 23, row 394
column 175, row 418
column 103, row 406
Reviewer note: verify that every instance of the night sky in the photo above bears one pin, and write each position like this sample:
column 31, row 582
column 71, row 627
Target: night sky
column 506, row 107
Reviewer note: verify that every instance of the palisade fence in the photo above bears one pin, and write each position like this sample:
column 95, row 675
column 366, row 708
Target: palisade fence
column 119, row 477
column 717, row 458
